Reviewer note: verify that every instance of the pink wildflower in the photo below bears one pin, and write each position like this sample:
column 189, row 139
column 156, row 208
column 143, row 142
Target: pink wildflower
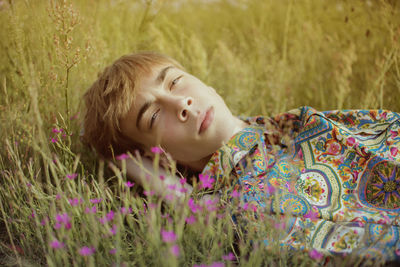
column 95, row 200
column 91, row 210
column 55, row 130
column 206, row 181
column 55, row 244
column 110, row 216
column 314, row 254
column 112, row 251
column 183, row 190
column 193, row 206
column 126, row 210
column 171, row 187
column 54, row 140
column 210, row 204
column 58, row 196
column 191, row 219
column 235, row 194
column 229, row 257
column 156, row 150
column 162, row 177
column 62, row 219
column 113, row 230
column 182, row 181
column 122, row 156
column 73, row 201
column 129, row 184
column 72, row 176
column 168, row 236
column 43, row 222
column 175, row 250
column 280, row 225
column 245, row 206
column 86, row 251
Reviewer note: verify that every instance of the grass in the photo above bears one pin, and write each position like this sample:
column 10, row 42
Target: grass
column 263, row 57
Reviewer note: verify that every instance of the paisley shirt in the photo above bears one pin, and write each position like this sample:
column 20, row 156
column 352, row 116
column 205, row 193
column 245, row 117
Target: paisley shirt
column 331, row 180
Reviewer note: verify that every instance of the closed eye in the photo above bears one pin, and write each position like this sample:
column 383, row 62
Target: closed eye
column 153, row 118
column 174, row 82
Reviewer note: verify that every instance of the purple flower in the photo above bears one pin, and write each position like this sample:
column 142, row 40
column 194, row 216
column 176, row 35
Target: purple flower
column 55, row 244
column 171, row 187
column 210, row 204
column 54, row 140
column 62, row 219
column 206, row 181
column 113, row 230
column 162, row 177
column 156, row 150
column 43, row 222
column 96, row 200
column 229, row 257
column 168, row 236
column 72, row 176
column 235, row 194
column 182, row 181
column 175, row 250
column 129, row 184
column 86, row 251
column 112, row 251
column 126, row 210
column 110, row 216
column 55, row 130
column 122, row 156
column 91, row 210
column 191, row 219
column 193, row 206
column 314, row 254
column 73, row 201
column 183, row 190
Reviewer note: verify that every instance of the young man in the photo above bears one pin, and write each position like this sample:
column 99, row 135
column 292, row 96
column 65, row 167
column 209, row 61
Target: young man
column 334, row 174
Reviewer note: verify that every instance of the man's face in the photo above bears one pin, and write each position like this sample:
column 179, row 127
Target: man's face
column 178, row 112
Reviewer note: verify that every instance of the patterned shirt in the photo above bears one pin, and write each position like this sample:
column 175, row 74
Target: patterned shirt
column 331, row 178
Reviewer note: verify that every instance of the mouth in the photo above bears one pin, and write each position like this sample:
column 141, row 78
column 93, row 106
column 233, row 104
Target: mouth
column 206, row 120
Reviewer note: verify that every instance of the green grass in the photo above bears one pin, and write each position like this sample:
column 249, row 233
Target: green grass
column 263, row 57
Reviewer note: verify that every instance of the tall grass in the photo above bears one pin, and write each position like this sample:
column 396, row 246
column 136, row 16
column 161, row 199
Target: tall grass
column 58, row 201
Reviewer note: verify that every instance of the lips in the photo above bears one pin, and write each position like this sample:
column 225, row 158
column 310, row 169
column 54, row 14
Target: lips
column 206, row 120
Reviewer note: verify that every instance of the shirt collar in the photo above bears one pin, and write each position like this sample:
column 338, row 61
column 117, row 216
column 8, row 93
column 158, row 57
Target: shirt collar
column 227, row 157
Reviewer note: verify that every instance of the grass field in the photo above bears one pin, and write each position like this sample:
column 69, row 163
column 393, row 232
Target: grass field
column 61, row 206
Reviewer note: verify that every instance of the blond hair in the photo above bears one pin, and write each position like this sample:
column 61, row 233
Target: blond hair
column 110, row 98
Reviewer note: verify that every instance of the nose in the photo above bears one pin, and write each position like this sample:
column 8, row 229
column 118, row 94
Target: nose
column 183, row 108
column 180, row 105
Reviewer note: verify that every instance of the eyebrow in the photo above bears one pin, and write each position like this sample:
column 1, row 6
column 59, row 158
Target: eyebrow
column 160, row 79
column 162, row 74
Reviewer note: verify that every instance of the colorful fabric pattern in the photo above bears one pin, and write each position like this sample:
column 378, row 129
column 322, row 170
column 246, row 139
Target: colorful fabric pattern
column 334, row 176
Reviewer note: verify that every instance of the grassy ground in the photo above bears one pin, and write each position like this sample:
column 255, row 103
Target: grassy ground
column 61, row 206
